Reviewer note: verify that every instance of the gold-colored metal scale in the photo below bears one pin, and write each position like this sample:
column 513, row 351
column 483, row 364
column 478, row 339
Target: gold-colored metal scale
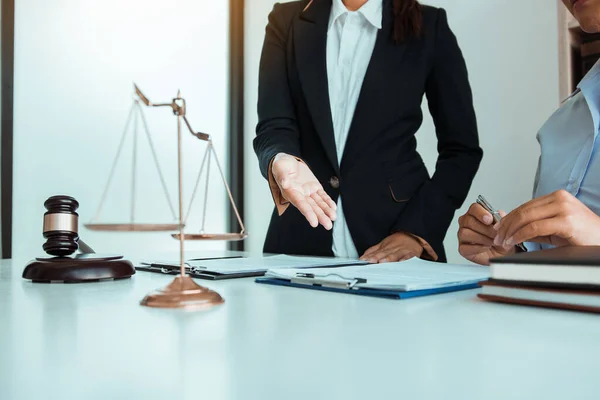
column 183, row 292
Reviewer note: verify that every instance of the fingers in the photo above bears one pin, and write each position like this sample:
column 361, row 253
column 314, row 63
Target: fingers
column 532, row 204
column 302, row 189
column 561, row 218
column 398, row 246
column 466, row 235
column 381, row 254
column 375, row 257
column 301, row 203
column 408, row 256
column 371, row 250
column 470, row 222
column 312, row 206
column 325, row 214
column 324, row 206
column 476, row 233
column 468, row 250
column 480, row 214
column 374, row 253
column 477, row 221
column 522, row 217
column 539, row 231
column 397, row 256
column 327, row 199
column 321, row 217
column 392, row 255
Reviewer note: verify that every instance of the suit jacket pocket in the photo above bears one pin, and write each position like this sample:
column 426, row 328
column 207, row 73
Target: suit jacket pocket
column 405, row 180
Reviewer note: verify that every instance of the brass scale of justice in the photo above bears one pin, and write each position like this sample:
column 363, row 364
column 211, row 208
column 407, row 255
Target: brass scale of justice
column 183, row 292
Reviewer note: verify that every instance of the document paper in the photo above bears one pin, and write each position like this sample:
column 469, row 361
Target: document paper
column 405, row 276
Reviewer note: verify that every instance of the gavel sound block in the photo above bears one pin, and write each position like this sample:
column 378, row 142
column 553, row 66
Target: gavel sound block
column 62, row 240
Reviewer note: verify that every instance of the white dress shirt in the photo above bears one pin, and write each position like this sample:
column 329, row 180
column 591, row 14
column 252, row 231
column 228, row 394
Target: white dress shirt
column 350, row 42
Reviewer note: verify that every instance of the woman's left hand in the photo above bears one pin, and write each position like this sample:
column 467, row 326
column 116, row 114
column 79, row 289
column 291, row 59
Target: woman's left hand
column 399, row 246
column 559, row 219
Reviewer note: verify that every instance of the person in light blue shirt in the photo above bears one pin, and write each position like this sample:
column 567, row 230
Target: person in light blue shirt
column 566, row 205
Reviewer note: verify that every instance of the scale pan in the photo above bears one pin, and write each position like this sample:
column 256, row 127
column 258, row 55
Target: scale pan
column 212, row 236
column 132, row 227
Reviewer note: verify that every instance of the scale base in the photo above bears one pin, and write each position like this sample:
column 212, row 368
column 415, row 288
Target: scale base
column 81, row 268
column 185, row 294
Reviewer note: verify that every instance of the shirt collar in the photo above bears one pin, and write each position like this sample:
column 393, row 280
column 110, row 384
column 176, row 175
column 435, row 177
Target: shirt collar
column 590, row 87
column 372, row 10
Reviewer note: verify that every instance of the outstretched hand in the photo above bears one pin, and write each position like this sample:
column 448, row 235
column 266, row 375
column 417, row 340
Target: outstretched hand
column 300, row 187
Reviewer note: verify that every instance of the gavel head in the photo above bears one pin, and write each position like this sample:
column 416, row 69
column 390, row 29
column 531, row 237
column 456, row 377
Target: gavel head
column 60, row 226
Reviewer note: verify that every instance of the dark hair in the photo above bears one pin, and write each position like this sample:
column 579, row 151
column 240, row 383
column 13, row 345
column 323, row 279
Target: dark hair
column 408, row 20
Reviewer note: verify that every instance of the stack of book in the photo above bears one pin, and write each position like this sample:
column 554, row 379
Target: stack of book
column 565, row 277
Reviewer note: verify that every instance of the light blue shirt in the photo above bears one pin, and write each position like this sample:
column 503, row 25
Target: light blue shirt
column 569, row 147
column 351, row 37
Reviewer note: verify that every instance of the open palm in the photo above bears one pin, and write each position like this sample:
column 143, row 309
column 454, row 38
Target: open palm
column 300, row 187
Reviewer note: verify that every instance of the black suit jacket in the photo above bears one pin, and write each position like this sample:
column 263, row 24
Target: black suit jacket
column 382, row 179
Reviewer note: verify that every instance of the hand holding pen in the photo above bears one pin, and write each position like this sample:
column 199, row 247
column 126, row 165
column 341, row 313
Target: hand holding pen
column 497, row 217
column 476, row 234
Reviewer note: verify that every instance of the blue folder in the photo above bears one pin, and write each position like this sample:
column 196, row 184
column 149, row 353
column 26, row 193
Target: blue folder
column 388, row 294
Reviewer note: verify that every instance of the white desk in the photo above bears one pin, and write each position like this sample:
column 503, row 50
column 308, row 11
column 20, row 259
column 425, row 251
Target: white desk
column 93, row 341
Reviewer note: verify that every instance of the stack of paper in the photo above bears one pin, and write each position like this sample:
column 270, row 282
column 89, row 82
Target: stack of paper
column 262, row 264
column 411, row 275
column 250, row 266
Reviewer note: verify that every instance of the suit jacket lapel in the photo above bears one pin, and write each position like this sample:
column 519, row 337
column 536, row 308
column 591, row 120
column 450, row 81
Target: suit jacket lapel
column 310, row 38
column 385, row 61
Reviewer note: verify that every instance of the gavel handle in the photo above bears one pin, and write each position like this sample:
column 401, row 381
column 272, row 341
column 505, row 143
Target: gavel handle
column 84, row 248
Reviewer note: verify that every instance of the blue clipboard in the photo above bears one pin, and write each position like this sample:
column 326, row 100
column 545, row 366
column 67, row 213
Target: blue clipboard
column 388, row 294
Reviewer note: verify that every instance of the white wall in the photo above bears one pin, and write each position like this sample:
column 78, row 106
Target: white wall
column 75, row 62
column 511, row 49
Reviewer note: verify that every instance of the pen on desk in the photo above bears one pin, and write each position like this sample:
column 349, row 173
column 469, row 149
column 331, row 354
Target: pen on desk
column 496, row 215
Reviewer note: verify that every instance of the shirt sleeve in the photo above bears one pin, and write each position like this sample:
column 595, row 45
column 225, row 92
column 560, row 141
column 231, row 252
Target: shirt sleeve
column 428, row 252
column 532, row 246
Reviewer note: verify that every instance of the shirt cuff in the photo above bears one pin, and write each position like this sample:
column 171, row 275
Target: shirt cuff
column 428, row 252
column 530, row 246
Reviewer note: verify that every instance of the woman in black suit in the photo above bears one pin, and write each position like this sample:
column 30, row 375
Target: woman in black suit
column 340, row 90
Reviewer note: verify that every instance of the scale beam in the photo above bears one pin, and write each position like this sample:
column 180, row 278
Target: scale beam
column 179, row 108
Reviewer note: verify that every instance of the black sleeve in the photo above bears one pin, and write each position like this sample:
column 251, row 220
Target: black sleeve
column 429, row 213
column 277, row 130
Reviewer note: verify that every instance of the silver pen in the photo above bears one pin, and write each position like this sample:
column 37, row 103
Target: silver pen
column 496, row 215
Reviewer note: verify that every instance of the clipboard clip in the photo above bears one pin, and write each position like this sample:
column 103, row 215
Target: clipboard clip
column 165, row 269
column 341, row 283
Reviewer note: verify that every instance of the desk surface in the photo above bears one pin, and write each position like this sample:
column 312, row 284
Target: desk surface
column 93, row 341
